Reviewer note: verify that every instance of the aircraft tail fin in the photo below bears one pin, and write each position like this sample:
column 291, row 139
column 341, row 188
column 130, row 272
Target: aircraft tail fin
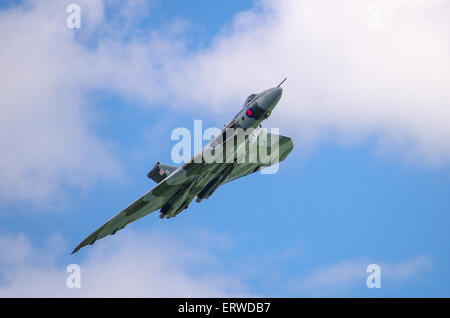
column 160, row 171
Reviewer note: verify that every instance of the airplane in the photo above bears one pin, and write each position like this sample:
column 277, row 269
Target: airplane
column 199, row 178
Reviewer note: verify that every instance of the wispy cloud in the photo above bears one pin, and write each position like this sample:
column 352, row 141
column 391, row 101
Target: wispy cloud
column 347, row 79
column 137, row 265
column 338, row 278
column 46, row 140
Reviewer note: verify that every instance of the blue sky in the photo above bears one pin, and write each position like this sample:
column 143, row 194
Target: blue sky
column 88, row 112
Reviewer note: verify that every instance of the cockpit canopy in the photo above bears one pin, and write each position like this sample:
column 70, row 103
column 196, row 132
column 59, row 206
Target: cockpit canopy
column 250, row 98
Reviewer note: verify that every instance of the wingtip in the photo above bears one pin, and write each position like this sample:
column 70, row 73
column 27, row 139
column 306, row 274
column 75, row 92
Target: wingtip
column 76, row 249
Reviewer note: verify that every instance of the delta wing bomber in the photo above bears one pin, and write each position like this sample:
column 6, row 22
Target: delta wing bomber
column 241, row 148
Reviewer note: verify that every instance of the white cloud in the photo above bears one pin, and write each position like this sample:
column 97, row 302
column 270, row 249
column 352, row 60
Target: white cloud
column 344, row 77
column 406, row 270
column 136, row 265
column 347, row 81
column 48, row 70
column 337, row 278
column 46, row 143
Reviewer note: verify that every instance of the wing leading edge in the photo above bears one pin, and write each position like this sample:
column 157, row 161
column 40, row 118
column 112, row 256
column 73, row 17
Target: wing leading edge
column 148, row 203
column 169, row 187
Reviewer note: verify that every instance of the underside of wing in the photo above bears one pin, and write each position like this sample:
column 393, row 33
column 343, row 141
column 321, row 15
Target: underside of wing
column 278, row 148
column 176, row 191
column 146, row 204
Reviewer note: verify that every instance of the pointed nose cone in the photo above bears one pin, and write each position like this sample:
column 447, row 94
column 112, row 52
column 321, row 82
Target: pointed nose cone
column 276, row 93
column 271, row 98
